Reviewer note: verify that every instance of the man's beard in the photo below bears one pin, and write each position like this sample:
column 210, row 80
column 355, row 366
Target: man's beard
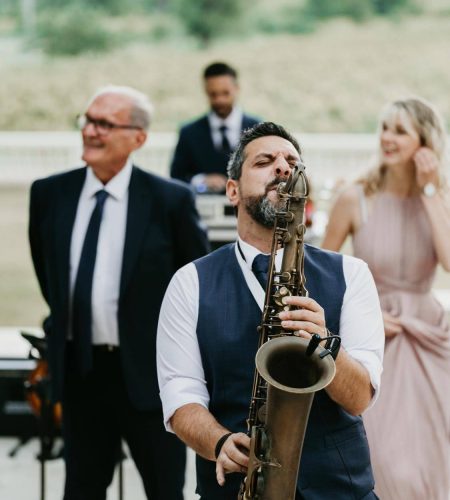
column 261, row 209
column 222, row 111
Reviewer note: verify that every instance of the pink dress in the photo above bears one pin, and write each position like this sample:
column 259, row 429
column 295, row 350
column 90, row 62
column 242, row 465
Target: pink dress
column 408, row 427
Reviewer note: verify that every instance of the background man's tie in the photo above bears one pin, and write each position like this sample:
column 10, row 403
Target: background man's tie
column 260, row 268
column 82, row 294
column 226, row 148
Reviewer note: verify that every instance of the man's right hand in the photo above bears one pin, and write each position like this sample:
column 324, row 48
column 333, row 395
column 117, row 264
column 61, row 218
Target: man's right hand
column 233, row 456
column 215, row 182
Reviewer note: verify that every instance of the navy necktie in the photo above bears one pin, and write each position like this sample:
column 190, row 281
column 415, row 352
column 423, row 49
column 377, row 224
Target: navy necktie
column 226, row 148
column 260, row 268
column 82, row 293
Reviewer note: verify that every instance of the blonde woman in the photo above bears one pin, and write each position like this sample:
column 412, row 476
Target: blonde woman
column 399, row 218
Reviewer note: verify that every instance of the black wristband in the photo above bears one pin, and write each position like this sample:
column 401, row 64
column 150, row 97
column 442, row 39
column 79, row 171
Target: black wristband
column 220, row 443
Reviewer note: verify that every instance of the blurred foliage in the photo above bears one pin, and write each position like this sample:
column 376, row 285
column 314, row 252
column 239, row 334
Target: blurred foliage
column 72, row 30
column 204, row 20
column 163, row 26
column 335, row 79
column 357, row 10
column 289, row 18
column 112, row 7
column 395, row 6
column 9, row 7
column 207, row 19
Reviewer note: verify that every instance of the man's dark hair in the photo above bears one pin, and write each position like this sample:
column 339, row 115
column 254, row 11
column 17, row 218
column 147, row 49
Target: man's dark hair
column 263, row 129
column 219, row 69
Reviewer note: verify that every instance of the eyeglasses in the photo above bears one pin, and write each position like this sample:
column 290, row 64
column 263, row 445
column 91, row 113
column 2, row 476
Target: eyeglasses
column 102, row 127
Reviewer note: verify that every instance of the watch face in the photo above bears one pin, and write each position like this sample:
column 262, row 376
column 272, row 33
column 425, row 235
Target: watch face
column 429, row 189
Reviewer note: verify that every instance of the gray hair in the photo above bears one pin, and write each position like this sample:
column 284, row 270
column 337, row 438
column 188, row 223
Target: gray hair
column 234, row 168
column 142, row 109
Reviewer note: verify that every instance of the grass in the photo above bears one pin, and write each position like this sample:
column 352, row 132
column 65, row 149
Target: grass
column 333, row 80
column 20, row 300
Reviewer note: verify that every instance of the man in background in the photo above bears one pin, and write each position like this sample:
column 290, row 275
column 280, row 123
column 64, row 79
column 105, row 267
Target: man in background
column 204, row 145
column 105, row 240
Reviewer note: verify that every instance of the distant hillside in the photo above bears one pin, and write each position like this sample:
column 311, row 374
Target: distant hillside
column 333, row 80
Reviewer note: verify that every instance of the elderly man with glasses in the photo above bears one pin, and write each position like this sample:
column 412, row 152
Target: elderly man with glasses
column 105, row 240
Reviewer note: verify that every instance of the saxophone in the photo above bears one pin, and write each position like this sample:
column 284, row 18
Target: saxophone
column 289, row 369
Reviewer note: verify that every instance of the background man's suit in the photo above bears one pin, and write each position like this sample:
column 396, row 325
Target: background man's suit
column 195, row 152
column 162, row 234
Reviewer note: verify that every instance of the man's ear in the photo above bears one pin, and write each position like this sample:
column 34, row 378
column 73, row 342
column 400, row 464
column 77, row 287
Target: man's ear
column 232, row 190
column 140, row 138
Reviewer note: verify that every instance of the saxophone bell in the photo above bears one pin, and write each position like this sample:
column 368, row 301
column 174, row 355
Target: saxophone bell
column 292, row 378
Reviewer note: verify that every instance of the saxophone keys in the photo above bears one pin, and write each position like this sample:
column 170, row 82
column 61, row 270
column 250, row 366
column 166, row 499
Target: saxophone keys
column 279, row 296
column 301, row 228
column 262, row 414
column 286, row 237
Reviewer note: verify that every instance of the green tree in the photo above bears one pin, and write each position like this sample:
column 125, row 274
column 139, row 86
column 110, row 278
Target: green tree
column 390, row 6
column 355, row 9
column 207, row 19
column 72, row 30
column 113, row 7
column 358, row 10
column 9, row 7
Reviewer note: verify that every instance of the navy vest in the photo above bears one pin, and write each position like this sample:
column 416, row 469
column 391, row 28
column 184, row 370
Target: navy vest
column 335, row 461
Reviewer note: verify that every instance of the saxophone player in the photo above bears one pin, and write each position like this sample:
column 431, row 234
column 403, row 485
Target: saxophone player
column 207, row 340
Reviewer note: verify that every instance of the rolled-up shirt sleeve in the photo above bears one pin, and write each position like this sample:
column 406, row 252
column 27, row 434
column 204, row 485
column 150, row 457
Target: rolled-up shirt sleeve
column 180, row 372
column 361, row 325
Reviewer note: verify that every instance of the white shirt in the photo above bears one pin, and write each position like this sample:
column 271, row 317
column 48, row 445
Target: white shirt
column 111, row 240
column 180, row 372
column 233, row 122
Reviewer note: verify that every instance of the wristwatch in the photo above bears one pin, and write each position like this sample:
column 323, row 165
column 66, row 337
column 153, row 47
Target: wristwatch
column 429, row 190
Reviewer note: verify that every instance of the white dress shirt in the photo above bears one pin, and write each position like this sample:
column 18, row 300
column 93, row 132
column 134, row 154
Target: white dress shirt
column 180, row 372
column 111, row 240
column 233, row 122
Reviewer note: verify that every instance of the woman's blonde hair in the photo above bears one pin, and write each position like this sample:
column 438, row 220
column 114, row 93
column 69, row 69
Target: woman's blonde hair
column 427, row 122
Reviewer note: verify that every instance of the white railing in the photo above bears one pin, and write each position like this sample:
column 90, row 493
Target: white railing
column 25, row 156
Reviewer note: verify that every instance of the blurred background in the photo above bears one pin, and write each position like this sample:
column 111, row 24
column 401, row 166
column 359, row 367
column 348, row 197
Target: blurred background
column 313, row 65
column 322, row 68
column 319, row 67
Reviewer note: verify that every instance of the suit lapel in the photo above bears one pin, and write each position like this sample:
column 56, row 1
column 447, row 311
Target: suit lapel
column 246, row 123
column 64, row 221
column 206, row 138
column 140, row 204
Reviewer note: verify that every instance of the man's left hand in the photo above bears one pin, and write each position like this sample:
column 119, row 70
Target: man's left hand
column 305, row 318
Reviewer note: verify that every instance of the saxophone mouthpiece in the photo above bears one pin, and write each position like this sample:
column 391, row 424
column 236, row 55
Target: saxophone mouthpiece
column 281, row 188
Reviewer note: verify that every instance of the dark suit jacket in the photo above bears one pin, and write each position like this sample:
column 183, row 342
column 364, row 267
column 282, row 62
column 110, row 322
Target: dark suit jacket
column 195, row 152
column 162, row 234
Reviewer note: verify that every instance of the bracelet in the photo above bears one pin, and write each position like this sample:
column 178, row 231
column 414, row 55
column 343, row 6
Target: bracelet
column 220, row 443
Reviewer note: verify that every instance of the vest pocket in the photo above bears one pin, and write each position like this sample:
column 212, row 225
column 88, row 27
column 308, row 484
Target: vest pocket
column 340, row 468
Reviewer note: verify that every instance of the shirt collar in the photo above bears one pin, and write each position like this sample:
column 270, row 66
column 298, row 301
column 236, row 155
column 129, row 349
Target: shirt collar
column 233, row 120
column 116, row 187
column 250, row 252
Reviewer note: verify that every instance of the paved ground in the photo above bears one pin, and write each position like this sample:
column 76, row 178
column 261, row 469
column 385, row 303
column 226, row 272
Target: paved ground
column 20, row 476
